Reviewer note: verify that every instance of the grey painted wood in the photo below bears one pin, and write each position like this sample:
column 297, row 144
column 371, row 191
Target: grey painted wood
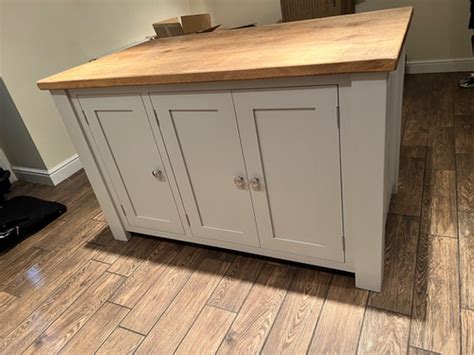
column 291, row 143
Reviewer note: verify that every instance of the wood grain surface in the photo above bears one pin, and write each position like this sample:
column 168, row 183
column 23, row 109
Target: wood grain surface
column 436, row 325
column 466, row 245
column 384, row 333
column 465, row 181
column 364, row 42
column 142, row 318
column 232, row 291
column 407, row 201
column 97, row 329
column 121, row 341
column 343, row 312
column 173, row 326
column 207, row 333
column 37, row 322
column 464, row 127
column 74, row 318
column 401, row 243
column 252, row 325
column 146, row 275
column 467, row 317
column 294, row 326
column 439, row 204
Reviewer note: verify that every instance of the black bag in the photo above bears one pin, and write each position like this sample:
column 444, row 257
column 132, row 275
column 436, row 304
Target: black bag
column 22, row 216
column 4, row 183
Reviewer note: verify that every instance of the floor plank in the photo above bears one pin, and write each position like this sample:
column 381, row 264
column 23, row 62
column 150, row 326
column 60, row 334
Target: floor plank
column 462, row 97
column 435, row 324
column 401, row 241
column 467, row 331
column 207, row 332
column 6, row 299
column 407, row 201
column 294, row 326
column 464, row 133
column 132, row 258
column 253, row 323
column 417, row 351
column 341, row 319
column 50, row 263
column 74, row 318
column 146, row 275
column 16, row 271
column 416, row 133
column 156, row 300
column 441, row 141
column 41, row 318
column 439, row 204
column 466, row 254
column 96, row 330
column 114, row 250
column 172, row 327
column 120, row 342
column 465, row 182
column 384, row 333
column 417, row 152
column 47, row 281
column 442, row 113
column 232, row 291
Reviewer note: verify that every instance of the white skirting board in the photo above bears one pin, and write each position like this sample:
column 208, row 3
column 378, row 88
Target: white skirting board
column 440, row 65
column 52, row 176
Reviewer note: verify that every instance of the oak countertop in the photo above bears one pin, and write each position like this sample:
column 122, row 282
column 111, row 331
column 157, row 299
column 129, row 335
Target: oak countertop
column 363, row 42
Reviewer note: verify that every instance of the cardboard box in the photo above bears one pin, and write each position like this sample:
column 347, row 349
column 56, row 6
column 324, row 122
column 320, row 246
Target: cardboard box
column 183, row 25
column 295, row 10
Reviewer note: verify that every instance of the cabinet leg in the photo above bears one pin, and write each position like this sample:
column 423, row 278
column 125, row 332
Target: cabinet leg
column 120, row 234
column 369, row 281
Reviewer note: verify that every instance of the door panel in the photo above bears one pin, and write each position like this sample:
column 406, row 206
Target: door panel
column 291, row 144
column 202, row 138
column 122, row 131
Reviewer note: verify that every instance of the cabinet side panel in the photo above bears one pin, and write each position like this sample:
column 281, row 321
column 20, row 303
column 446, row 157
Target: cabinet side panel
column 365, row 177
column 94, row 175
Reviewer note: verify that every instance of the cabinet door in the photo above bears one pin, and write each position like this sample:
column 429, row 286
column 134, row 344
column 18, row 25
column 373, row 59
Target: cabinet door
column 290, row 139
column 201, row 135
column 125, row 140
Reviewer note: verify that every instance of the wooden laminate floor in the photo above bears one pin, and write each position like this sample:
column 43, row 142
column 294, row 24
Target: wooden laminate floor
column 72, row 289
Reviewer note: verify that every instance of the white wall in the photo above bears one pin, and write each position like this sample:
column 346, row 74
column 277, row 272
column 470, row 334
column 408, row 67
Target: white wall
column 42, row 37
column 439, row 28
column 237, row 13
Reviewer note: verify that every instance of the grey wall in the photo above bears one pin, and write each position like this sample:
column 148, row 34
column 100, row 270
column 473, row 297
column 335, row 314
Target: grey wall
column 15, row 140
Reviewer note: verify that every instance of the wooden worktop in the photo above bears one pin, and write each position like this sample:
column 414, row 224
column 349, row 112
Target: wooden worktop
column 364, row 42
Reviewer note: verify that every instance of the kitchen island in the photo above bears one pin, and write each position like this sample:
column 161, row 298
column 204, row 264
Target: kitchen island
column 279, row 140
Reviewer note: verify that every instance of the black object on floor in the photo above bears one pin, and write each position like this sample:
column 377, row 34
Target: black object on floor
column 5, row 184
column 22, row 216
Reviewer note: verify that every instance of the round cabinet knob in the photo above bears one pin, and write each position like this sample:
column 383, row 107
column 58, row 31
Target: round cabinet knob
column 239, row 182
column 255, row 184
column 158, row 174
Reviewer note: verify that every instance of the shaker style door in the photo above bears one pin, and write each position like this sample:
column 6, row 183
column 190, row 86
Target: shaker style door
column 201, row 136
column 124, row 136
column 290, row 139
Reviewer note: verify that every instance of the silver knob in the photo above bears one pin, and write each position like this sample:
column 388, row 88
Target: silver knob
column 239, row 182
column 255, row 184
column 158, row 174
